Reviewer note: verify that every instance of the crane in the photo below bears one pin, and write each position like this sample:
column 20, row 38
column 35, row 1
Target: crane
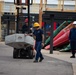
column 40, row 12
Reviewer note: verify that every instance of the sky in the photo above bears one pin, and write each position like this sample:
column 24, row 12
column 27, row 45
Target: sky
column 48, row 1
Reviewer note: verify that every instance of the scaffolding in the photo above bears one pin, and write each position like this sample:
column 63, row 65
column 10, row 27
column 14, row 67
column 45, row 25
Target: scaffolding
column 60, row 6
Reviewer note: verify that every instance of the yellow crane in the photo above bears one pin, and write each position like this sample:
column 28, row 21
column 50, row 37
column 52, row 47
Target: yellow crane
column 40, row 12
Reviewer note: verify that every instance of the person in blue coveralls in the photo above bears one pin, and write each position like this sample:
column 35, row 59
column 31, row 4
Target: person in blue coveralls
column 39, row 37
column 72, row 38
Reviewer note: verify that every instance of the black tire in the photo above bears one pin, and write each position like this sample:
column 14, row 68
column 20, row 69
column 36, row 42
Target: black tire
column 31, row 54
column 22, row 53
column 15, row 53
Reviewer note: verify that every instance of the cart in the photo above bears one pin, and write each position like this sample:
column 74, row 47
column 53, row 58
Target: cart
column 22, row 45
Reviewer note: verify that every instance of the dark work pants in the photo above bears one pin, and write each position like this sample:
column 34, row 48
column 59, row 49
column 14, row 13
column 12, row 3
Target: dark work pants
column 38, row 47
column 73, row 47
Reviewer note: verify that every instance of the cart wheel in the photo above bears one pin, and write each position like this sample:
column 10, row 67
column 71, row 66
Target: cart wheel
column 15, row 53
column 31, row 54
column 22, row 53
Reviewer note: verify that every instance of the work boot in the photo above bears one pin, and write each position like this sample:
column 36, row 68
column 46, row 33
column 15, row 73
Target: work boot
column 41, row 59
column 35, row 61
column 72, row 57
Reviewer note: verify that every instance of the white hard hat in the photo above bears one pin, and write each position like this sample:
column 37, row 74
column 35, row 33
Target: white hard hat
column 74, row 22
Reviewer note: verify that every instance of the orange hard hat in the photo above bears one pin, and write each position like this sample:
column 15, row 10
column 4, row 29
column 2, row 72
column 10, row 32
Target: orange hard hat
column 26, row 20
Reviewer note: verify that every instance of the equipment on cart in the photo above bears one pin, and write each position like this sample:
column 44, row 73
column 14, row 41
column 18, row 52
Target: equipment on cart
column 23, row 45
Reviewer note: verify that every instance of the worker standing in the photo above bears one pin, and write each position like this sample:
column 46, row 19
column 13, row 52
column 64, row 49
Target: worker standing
column 38, row 34
column 26, row 29
column 72, row 38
